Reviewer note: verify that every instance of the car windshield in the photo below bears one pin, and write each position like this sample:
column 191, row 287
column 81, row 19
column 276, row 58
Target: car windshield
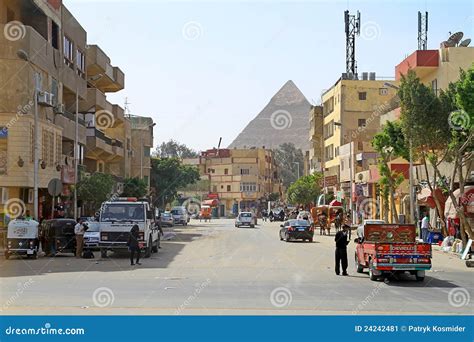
column 93, row 226
column 166, row 215
column 123, row 212
column 176, row 212
column 299, row 223
column 245, row 214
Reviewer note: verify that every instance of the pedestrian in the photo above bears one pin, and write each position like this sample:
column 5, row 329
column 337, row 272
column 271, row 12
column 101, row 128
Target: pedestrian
column 425, row 225
column 342, row 240
column 79, row 231
column 133, row 245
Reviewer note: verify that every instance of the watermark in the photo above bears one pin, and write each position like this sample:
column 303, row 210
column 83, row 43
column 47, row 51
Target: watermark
column 21, row 110
column 14, row 207
column 14, row 31
column 104, row 119
column 459, row 120
column 281, row 297
column 368, row 299
column 102, row 297
column 281, row 119
column 192, row 205
column 18, row 293
column 370, row 30
column 369, row 207
column 459, row 297
column 192, row 30
column 191, row 298
column 46, row 330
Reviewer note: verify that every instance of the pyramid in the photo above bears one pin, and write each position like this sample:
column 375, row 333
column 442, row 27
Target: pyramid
column 283, row 120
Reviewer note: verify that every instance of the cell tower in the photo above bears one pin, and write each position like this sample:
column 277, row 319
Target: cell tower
column 422, row 31
column 352, row 23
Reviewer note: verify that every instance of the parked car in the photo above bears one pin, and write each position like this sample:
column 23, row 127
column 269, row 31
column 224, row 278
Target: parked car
column 245, row 218
column 166, row 220
column 92, row 235
column 297, row 229
column 180, row 215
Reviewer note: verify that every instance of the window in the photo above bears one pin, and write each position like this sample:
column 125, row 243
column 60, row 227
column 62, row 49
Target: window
column 244, row 171
column 328, row 129
column 361, row 123
column 328, row 106
column 59, row 148
column 222, row 187
column 68, row 52
column 48, row 148
column 226, row 171
column 383, row 91
column 329, row 152
column 434, row 86
column 228, row 188
column 342, row 165
column 54, row 35
column 336, row 151
column 146, row 151
column 362, row 95
column 248, row 187
column 81, row 63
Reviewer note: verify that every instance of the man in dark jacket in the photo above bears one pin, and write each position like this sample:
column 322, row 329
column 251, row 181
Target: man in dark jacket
column 133, row 245
column 342, row 240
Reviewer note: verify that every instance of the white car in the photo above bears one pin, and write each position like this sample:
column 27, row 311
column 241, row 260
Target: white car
column 180, row 215
column 245, row 218
column 92, row 235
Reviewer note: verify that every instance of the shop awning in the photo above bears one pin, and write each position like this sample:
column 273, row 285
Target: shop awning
column 211, row 202
column 425, row 197
column 467, row 201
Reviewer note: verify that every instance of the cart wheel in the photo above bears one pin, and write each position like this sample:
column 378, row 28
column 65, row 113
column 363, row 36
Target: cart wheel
column 371, row 273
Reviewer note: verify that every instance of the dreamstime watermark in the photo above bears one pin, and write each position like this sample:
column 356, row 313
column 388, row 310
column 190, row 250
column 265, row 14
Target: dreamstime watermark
column 192, row 30
column 459, row 120
column 21, row 110
column 192, row 205
column 14, row 207
column 191, row 298
column 281, row 297
column 112, row 198
column 281, row 119
column 368, row 299
column 102, row 297
column 459, row 297
column 14, row 31
column 47, row 329
column 370, row 30
column 18, row 293
column 104, row 119
column 369, row 207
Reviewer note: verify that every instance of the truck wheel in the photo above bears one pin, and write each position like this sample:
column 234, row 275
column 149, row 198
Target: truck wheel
column 287, row 237
column 418, row 278
column 371, row 273
column 103, row 253
column 359, row 267
column 148, row 248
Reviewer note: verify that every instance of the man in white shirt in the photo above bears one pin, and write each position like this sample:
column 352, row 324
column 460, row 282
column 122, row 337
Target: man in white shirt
column 425, row 225
column 79, row 231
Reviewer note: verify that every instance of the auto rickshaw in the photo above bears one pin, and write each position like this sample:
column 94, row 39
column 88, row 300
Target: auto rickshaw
column 58, row 236
column 22, row 238
column 205, row 213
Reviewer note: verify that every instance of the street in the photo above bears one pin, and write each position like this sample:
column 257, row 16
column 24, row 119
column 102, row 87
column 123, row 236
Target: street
column 215, row 268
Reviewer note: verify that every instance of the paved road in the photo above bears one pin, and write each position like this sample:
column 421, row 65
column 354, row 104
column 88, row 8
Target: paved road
column 214, row 268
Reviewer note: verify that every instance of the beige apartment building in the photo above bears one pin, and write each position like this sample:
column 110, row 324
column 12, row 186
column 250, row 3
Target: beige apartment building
column 44, row 47
column 349, row 115
column 316, row 124
column 239, row 179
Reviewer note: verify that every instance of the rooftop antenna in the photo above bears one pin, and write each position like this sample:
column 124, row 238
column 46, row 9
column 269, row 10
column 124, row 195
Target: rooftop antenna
column 422, row 31
column 127, row 108
column 352, row 28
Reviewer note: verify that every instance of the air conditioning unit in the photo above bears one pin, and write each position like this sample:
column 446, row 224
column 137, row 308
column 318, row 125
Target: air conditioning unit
column 46, row 99
column 60, row 108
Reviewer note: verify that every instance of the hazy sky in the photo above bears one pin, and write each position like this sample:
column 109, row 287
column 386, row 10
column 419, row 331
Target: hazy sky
column 204, row 69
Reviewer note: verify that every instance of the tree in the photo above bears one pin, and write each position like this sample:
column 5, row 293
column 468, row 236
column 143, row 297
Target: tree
column 134, row 187
column 305, row 190
column 390, row 143
column 289, row 158
column 173, row 149
column 167, row 176
column 95, row 189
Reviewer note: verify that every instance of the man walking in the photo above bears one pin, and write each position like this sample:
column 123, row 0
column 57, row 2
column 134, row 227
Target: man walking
column 79, row 231
column 342, row 240
column 425, row 225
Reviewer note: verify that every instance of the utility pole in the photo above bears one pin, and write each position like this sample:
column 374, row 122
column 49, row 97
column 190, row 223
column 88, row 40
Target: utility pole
column 36, row 150
column 76, row 152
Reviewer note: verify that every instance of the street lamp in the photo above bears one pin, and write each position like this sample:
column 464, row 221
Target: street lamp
column 22, row 54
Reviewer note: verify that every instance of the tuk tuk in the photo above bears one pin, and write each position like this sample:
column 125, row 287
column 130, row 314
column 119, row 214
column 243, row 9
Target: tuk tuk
column 205, row 213
column 58, row 236
column 22, row 238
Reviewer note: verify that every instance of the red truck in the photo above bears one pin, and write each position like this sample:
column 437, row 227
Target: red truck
column 391, row 248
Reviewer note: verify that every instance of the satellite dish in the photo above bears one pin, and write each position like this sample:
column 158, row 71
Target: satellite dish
column 455, row 38
column 465, row 42
column 446, row 44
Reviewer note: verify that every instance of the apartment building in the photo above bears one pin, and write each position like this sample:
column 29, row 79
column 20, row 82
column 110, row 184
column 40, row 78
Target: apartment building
column 349, row 108
column 141, row 140
column 44, row 50
column 316, row 124
column 239, row 179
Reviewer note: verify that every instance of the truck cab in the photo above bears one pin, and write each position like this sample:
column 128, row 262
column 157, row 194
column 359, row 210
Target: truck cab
column 391, row 248
column 117, row 218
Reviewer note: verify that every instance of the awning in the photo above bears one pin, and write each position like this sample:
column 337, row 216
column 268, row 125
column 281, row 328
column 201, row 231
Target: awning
column 467, row 201
column 425, row 197
column 211, row 202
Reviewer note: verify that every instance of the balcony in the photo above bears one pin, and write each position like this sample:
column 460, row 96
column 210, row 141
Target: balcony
column 95, row 99
column 118, row 151
column 112, row 78
column 119, row 113
column 99, row 146
column 67, row 121
column 422, row 62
